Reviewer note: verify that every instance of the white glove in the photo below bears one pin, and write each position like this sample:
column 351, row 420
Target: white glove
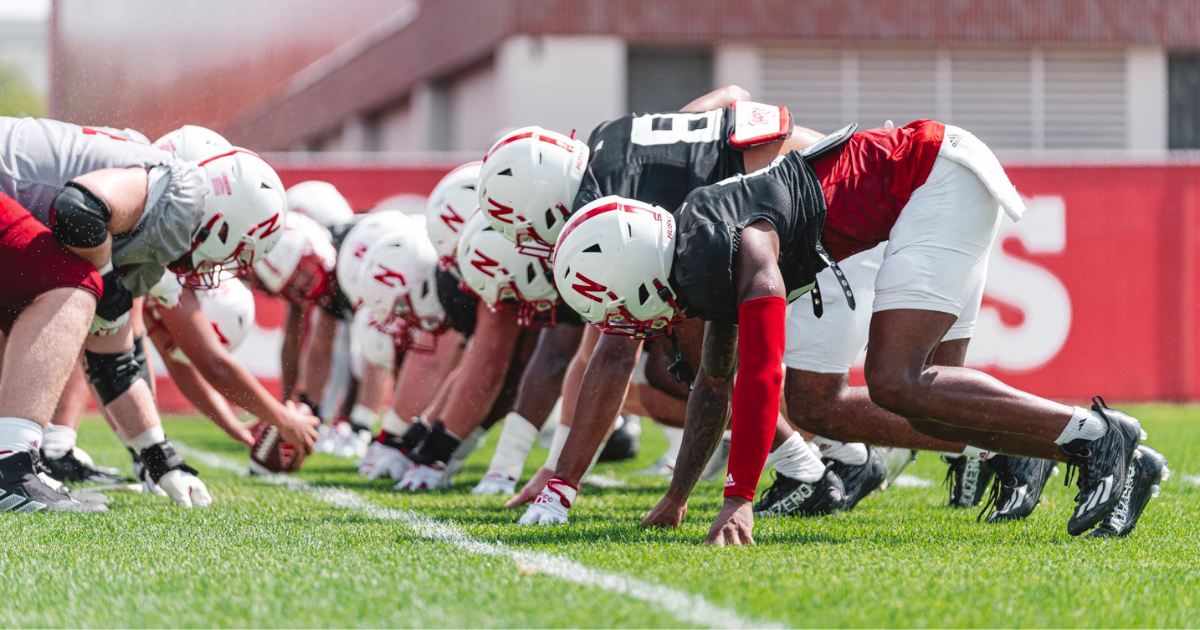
column 422, row 477
column 388, row 463
column 552, row 505
column 367, row 463
column 496, row 483
column 185, row 489
column 167, row 291
column 103, row 328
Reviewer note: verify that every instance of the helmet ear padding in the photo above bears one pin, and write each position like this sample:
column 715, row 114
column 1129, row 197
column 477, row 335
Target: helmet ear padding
column 613, row 264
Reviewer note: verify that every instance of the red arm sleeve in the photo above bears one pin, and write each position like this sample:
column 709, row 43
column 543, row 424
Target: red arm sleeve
column 761, row 333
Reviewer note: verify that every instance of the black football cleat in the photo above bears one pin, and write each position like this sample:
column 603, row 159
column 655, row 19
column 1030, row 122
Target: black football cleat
column 860, row 480
column 1146, row 472
column 1016, row 488
column 625, row 441
column 1101, row 466
column 792, row 497
column 23, row 491
column 968, row 479
column 69, row 469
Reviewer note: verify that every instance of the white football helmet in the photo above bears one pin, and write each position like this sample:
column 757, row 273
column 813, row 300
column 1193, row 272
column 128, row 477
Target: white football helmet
column 230, row 308
column 321, row 202
column 244, row 215
column 300, row 267
column 192, row 143
column 398, row 283
column 613, row 264
column 356, row 243
column 451, row 202
column 505, row 279
column 527, row 186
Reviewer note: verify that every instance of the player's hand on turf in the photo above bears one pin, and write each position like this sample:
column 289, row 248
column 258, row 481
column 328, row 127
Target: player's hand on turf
column 388, row 463
column 668, row 514
column 298, row 427
column 421, row 477
column 185, row 489
column 734, row 524
column 548, row 509
column 532, row 489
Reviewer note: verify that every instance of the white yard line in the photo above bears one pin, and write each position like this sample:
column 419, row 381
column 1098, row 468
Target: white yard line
column 1192, row 479
column 911, row 481
column 693, row 610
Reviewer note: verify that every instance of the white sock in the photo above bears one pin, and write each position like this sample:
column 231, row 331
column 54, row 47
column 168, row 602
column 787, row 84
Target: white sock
column 794, row 459
column 393, row 423
column 674, row 437
column 467, row 445
column 852, row 453
column 556, row 446
column 18, row 435
column 148, row 438
column 1084, row 425
column 58, row 441
column 516, row 440
column 362, row 416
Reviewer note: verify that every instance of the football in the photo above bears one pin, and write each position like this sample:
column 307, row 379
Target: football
column 270, row 454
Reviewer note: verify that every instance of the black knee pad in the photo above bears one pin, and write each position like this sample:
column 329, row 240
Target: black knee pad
column 80, row 218
column 139, row 354
column 112, row 374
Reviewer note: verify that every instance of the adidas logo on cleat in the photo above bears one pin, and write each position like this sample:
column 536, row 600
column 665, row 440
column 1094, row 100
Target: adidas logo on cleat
column 1098, row 496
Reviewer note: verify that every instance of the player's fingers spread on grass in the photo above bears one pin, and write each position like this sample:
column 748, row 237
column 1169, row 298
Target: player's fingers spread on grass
column 200, row 496
column 666, row 515
column 531, row 489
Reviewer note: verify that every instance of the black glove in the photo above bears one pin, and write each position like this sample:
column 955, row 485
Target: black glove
column 117, row 300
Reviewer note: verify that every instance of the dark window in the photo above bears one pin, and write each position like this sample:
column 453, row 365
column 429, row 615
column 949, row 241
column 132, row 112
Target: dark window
column 1183, row 99
column 666, row 80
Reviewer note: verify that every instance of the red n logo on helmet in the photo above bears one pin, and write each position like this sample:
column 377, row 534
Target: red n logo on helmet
column 451, row 218
column 270, row 226
column 385, row 276
column 500, row 212
column 484, row 263
column 589, row 288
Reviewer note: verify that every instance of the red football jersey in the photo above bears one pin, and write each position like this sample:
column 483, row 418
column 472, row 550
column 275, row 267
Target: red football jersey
column 868, row 181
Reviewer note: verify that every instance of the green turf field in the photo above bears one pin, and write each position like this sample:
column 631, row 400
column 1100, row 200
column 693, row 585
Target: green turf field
column 332, row 549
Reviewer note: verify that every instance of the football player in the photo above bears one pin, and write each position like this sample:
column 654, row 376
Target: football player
column 46, row 306
column 747, row 245
column 120, row 203
column 532, row 178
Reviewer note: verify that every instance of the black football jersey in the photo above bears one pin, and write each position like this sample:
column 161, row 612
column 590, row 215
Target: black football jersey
column 659, row 158
column 459, row 305
column 710, row 223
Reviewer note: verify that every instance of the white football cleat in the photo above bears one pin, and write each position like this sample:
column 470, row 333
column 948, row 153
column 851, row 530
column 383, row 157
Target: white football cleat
column 422, row 477
column 388, row 463
column 185, row 489
column 664, row 466
column 352, row 443
column 326, row 440
column 552, row 505
column 495, row 483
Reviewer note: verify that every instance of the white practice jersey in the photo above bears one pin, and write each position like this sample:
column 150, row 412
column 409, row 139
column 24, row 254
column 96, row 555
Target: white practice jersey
column 38, row 157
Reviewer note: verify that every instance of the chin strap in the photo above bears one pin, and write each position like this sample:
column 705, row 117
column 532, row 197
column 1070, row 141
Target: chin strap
column 680, row 369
